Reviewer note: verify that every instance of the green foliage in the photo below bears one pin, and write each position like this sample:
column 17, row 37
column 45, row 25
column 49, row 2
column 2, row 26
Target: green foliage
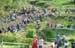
column 47, row 34
column 8, row 37
column 28, row 40
column 15, row 37
column 71, row 40
column 30, row 33
column 8, row 6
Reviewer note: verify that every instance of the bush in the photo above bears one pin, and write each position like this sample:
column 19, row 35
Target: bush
column 41, row 4
column 33, row 2
column 30, row 33
column 28, row 40
column 12, row 37
column 47, row 34
column 7, row 37
column 71, row 40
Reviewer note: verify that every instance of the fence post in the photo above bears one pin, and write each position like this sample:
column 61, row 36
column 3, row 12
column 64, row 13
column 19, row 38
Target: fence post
column 2, row 43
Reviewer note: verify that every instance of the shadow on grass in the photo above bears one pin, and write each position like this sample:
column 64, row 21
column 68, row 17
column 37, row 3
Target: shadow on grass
column 69, row 3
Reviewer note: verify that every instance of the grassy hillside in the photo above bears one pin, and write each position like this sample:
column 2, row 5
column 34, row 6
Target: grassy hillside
column 9, row 6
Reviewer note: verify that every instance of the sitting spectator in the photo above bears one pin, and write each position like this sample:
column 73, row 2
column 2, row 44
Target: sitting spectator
column 9, row 28
column 45, row 45
column 18, row 26
column 0, row 30
column 23, row 10
column 52, row 45
column 28, row 20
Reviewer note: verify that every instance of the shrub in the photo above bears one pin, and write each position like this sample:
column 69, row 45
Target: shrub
column 28, row 40
column 7, row 37
column 47, row 34
column 30, row 33
column 71, row 40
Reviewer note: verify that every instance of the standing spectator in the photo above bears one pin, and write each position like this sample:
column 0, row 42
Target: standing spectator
column 35, row 42
column 58, row 44
column 57, row 37
column 41, row 42
column 63, row 39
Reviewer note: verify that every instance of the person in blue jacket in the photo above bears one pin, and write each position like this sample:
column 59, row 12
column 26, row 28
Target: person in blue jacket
column 57, row 37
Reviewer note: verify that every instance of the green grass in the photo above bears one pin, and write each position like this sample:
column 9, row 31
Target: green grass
column 60, row 4
column 8, row 46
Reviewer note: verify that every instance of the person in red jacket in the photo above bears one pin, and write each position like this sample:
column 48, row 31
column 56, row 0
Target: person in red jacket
column 35, row 42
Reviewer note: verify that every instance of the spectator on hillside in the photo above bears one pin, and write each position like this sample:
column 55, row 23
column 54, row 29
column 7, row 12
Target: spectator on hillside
column 73, row 44
column 63, row 39
column 0, row 30
column 27, row 20
column 13, row 28
column 55, row 44
column 18, row 26
column 14, row 14
column 66, row 44
column 52, row 45
column 24, row 21
column 57, row 37
column 9, row 29
column 23, row 10
column 45, row 45
column 38, row 26
column 41, row 42
column 40, row 17
column 3, row 30
column 35, row 42
column 58, row 44
column 33, row 8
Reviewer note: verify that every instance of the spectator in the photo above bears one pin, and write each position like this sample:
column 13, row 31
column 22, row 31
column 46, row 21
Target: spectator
column 0, row 30
column 52, row 45
column 63, row 39
column 35, row 42
column 45, row 45
column 41, row 42
column 58, row 44
column 23, row 10
column 18, row 26
column 73, row 44
column 57, row 37
column 9, row 29
column 55, row 44
column 13, row 28
column 66, row 44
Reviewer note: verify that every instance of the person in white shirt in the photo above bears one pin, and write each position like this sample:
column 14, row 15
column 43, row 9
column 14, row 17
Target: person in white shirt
column 41, row 42
column 66, row 44
column 63, row 39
